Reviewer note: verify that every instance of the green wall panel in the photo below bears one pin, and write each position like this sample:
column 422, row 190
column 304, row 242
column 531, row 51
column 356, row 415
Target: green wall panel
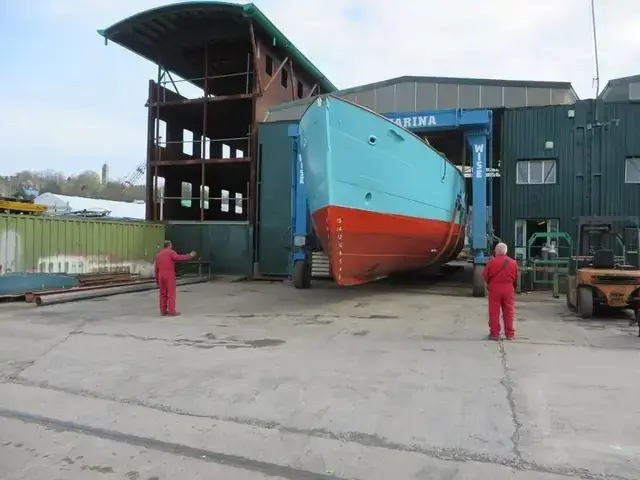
column 274, row 221
column 524, row 134
column 617, row 139
column 590, row 147
column 226, row 246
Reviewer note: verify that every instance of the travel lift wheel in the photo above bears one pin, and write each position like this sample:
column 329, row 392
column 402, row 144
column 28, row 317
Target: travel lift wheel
column 301, row 274
column 479, row 288
column 585, row 302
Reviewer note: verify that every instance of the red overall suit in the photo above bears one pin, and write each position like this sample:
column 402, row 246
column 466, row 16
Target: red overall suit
column 166, row 278
column 500, row 274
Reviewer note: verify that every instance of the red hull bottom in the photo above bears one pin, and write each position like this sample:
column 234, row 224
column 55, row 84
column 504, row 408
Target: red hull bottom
column 363, row 246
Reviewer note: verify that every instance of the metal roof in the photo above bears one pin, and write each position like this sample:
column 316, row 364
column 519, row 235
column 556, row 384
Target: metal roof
column 172, row 32
column 417, row 95
column 614, row 82
column 461, row 81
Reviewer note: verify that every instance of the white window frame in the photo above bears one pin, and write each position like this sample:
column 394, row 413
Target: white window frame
column 545, row 180
column 632, row 164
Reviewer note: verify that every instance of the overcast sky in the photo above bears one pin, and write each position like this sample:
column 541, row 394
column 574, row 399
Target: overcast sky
column 70, row 103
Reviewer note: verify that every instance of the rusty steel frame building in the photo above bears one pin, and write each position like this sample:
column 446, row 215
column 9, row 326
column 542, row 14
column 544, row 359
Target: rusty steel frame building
column 242, row 65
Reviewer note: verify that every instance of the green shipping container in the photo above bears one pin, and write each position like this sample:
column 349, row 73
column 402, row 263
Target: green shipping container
column 584, row 161
column 30, row 243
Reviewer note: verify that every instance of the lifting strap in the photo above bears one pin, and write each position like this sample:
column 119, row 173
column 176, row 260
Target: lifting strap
column 502, row 267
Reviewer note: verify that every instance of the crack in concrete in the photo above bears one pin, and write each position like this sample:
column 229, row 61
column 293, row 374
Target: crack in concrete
column 244, row 463
column 15, row 375
column 120, row 335
column 301, row 316
column 522, row 341
column 433, row 338
column 17, row 369
column 507, row 383
column 210, row 341
column 459, row 455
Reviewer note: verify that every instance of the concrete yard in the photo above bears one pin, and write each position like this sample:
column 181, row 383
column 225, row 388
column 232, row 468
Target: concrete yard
column 258, row 380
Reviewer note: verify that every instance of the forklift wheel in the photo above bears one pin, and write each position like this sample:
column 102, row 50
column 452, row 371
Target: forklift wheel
column 585, row 302
column 301, row 274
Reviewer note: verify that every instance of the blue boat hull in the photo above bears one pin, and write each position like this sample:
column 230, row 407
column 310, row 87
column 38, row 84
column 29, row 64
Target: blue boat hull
column 382, row 200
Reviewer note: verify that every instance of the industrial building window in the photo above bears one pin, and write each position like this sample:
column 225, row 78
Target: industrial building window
column 161, row 133
column 268, row 65
column 238, row 207
column 205, row 149
column 300, row 89
column 204, row 197
column 186, row 189
column 224, row 200
column 632, row 170
column 284, row 78
column 536, row 172
column 187, row 142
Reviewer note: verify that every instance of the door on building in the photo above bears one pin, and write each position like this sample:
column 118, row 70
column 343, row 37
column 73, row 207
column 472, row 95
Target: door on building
column 525, row 228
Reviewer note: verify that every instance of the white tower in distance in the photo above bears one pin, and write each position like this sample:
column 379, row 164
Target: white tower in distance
column 105, row 173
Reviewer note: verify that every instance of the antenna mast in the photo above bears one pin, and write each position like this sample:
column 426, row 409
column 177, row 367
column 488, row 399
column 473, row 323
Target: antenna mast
column 595, row 46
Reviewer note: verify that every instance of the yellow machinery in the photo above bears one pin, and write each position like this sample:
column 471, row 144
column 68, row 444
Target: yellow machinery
column 16, row 206
column 605, row 272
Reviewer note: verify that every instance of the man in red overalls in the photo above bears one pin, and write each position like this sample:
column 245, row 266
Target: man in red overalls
column 500, row 274
column 166, row 277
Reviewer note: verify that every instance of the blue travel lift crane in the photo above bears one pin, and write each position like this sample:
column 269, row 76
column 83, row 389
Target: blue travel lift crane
column 477, row 128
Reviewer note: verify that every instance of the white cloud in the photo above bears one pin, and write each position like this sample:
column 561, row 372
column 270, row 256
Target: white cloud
column 542, row 40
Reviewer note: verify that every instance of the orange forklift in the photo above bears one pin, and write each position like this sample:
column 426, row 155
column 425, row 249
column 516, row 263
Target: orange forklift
column 605, row 271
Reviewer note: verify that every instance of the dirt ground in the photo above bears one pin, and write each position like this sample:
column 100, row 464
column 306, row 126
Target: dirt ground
column 259, row 380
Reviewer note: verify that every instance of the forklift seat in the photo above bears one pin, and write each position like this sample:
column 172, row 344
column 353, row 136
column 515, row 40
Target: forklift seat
column 604, row 259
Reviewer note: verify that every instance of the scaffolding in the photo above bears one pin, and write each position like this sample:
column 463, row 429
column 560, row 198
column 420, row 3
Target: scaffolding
column 201, row 160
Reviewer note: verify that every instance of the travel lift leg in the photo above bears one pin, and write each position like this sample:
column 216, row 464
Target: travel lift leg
column 478, row 146
column 300, row 254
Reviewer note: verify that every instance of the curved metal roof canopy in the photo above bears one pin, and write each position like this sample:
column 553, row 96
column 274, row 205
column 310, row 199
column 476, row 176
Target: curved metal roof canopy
column 173, row 35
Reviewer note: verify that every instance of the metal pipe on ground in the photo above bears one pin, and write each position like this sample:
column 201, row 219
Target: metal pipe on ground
column 31, row 296
column 71, row 296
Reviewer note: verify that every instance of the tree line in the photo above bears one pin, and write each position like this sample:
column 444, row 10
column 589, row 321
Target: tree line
column 28, row 184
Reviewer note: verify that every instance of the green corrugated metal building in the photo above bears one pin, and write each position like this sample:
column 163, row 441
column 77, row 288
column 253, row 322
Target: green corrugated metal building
column 560, row 162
